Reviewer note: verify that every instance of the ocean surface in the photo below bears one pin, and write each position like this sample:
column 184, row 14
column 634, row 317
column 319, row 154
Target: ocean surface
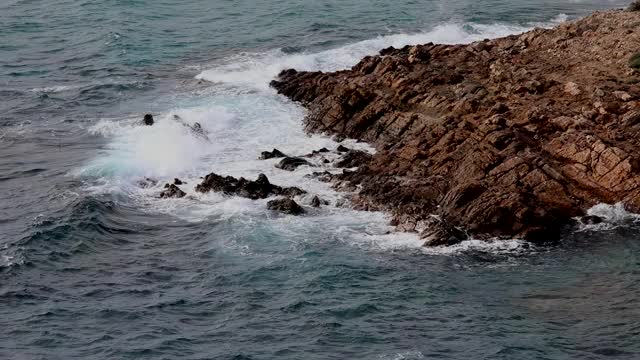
column 94, row 266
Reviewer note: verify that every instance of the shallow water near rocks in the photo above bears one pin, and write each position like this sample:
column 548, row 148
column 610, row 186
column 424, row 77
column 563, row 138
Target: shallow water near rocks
column 94, row 266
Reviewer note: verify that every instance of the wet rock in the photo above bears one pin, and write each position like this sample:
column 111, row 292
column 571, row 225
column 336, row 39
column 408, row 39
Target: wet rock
column 292, row 163
column 354, row 158
column 437, row 232
column 177, row 181
column 261, row 188
column 342, row 149
column 286, row 206
column 591, row 220
column 317, row 152
column 323, row 176
column 172, row 191
column 147, row 183
column 148, row 120
column 316, row 202
column 275, row 153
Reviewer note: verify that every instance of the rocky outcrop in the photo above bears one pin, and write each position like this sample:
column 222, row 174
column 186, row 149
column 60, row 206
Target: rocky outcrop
column 275, row 153
column 510, row 137
column 261, row 188
column 286, row 206
column 292, row 163
column 172, row 191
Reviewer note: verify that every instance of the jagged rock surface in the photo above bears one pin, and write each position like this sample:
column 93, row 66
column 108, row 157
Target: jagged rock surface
column 261, row 188
column 504, row 138
column 172, row 191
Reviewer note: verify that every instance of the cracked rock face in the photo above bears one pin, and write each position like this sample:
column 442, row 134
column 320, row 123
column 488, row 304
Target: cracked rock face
column 502, row 138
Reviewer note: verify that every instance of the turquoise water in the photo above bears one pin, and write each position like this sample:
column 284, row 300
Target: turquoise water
column 92, row 266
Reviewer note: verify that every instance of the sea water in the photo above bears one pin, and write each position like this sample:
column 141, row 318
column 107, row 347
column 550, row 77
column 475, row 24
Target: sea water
column 95, row 266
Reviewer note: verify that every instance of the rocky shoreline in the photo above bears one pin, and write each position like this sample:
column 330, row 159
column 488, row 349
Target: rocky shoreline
column 504, row 138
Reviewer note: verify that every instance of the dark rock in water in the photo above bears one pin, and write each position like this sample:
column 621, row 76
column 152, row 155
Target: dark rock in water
column 592, row 220
column 437, row 232
column 291, row 191
column 316, row 152
column 339, row 138
column 342, row 149
column 148, row 120
column 177, row 181
column 285, row 205
column 292, row 163
column 354, row 158
column 259, row 189
column 323, row 176
column 272, row 154
column 172, row 191
column 147, row 183
column 316, row 202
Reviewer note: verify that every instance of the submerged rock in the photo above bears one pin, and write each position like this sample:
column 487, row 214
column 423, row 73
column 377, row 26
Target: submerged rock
column 147, row 183
column 261, row 188
column 316, row 202
column 285, row 205
column 292, row 163
column 591, row 220
column 275, row 153
column 503, row 138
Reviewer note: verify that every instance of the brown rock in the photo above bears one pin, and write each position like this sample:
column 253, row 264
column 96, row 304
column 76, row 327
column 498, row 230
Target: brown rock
column 508, row 138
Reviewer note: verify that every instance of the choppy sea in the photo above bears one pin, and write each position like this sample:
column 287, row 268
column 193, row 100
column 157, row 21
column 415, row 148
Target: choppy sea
column 94, row 266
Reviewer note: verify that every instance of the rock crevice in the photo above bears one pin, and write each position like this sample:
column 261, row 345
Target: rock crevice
column 511, row 137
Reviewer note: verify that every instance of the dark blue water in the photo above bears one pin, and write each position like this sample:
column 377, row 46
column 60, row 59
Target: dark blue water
column 93, row 266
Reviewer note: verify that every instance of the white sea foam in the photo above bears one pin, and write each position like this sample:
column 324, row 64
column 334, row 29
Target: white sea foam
column 407, row 355
column 243, row 118
column 613, row 215
column 512, row 246
column 54, row 89
column 10, row 256
column 257, row 69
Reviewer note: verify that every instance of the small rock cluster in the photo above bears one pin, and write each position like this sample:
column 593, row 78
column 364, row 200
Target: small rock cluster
column 262, row 188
